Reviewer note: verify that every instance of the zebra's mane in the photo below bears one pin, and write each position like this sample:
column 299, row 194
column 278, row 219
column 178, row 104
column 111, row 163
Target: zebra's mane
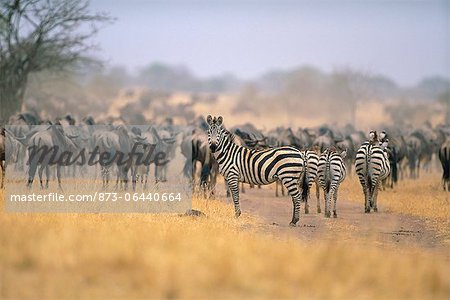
column 229, row 135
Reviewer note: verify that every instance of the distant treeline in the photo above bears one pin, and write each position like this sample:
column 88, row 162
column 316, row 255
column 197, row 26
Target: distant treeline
column 172, row 78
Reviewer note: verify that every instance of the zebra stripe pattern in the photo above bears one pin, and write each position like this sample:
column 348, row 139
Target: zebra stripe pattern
column 372, row 166
column 312, row 162
column 331, row 173
column 239, row 164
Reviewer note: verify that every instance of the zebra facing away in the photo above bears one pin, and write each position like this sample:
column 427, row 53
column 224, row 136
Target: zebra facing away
column 372, row 166
column 311, row 161
column 331, row 172
column 239, row 164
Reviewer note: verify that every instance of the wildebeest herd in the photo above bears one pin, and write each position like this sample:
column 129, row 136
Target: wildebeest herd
column 293, row 157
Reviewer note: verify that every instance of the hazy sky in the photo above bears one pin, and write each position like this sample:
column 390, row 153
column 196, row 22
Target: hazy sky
column 405, row 40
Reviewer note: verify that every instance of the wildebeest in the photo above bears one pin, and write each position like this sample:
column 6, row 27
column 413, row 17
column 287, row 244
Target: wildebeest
column 414, row 147
column 116, row 143
column 9, row 150
column 325, row 139
column 444, row 157
column 161, row 141
column 253, row 138
column 2, row 154
column 397, row 151
column 165, row 143
column 45, row 148
column 195, row 148
column 21, row 125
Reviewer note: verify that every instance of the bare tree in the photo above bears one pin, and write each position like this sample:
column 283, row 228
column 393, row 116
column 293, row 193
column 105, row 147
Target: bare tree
column 37, row 35
column 444, row 99
column 350, row 86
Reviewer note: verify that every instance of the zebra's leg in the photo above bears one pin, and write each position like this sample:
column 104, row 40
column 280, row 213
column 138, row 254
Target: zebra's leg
column 227, row 188
column 306, row 203
column 291, row 185
column 283, row 192
column 318, row 198
column 233, row 185
column 335, row 194
column 276, row 188
column 243, row 189
column 374, row 200
column 328, row 204
column 366, row 197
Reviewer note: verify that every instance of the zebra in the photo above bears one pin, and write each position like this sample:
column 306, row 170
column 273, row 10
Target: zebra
column 444, row 157
column 372, row 166
column 312, row 161
column 265, row 166
column 331, row 172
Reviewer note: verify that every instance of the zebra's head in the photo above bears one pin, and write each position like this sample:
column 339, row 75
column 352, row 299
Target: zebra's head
column 373, row 137
column 215, row 132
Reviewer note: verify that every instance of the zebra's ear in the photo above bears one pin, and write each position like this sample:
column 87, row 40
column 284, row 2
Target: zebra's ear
column 209, row 120
column 344, row 153
column 219, row 120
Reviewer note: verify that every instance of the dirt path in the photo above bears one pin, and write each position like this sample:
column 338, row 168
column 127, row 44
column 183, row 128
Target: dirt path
column 352, row 224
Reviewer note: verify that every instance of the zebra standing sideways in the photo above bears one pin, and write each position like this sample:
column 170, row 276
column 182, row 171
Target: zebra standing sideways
column 331, row 173
column 239, row 164
column 372, row 166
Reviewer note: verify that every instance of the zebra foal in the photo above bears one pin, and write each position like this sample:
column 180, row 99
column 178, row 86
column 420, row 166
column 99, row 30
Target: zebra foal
column 239, row 164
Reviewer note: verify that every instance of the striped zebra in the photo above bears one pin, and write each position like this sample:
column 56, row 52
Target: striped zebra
column 239, row 164
column 444, row 157
column 372, row 166
column 331, row 172
column 311, row 161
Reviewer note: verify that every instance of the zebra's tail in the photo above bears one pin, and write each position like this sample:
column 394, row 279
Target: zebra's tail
column 368, row 171
column 187, row 169
column 304, row 185
column 327, row 176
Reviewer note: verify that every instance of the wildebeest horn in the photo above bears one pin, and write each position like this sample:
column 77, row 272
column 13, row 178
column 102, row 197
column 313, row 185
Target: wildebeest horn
column 155, row 132
column 72, row 136
column 140, row 138
column 9, row 132
column 169, row 140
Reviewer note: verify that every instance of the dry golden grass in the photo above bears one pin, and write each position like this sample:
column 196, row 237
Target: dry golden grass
column 422, row 198
column 168, row 256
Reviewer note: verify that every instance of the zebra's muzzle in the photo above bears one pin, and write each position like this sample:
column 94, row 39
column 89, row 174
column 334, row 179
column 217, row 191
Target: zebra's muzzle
column 213, row 147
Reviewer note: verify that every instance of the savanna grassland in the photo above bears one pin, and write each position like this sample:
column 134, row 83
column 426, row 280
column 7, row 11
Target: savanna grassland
column 65, row 256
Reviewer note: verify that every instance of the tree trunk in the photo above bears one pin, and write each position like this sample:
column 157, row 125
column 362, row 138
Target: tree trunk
column 11, row 99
